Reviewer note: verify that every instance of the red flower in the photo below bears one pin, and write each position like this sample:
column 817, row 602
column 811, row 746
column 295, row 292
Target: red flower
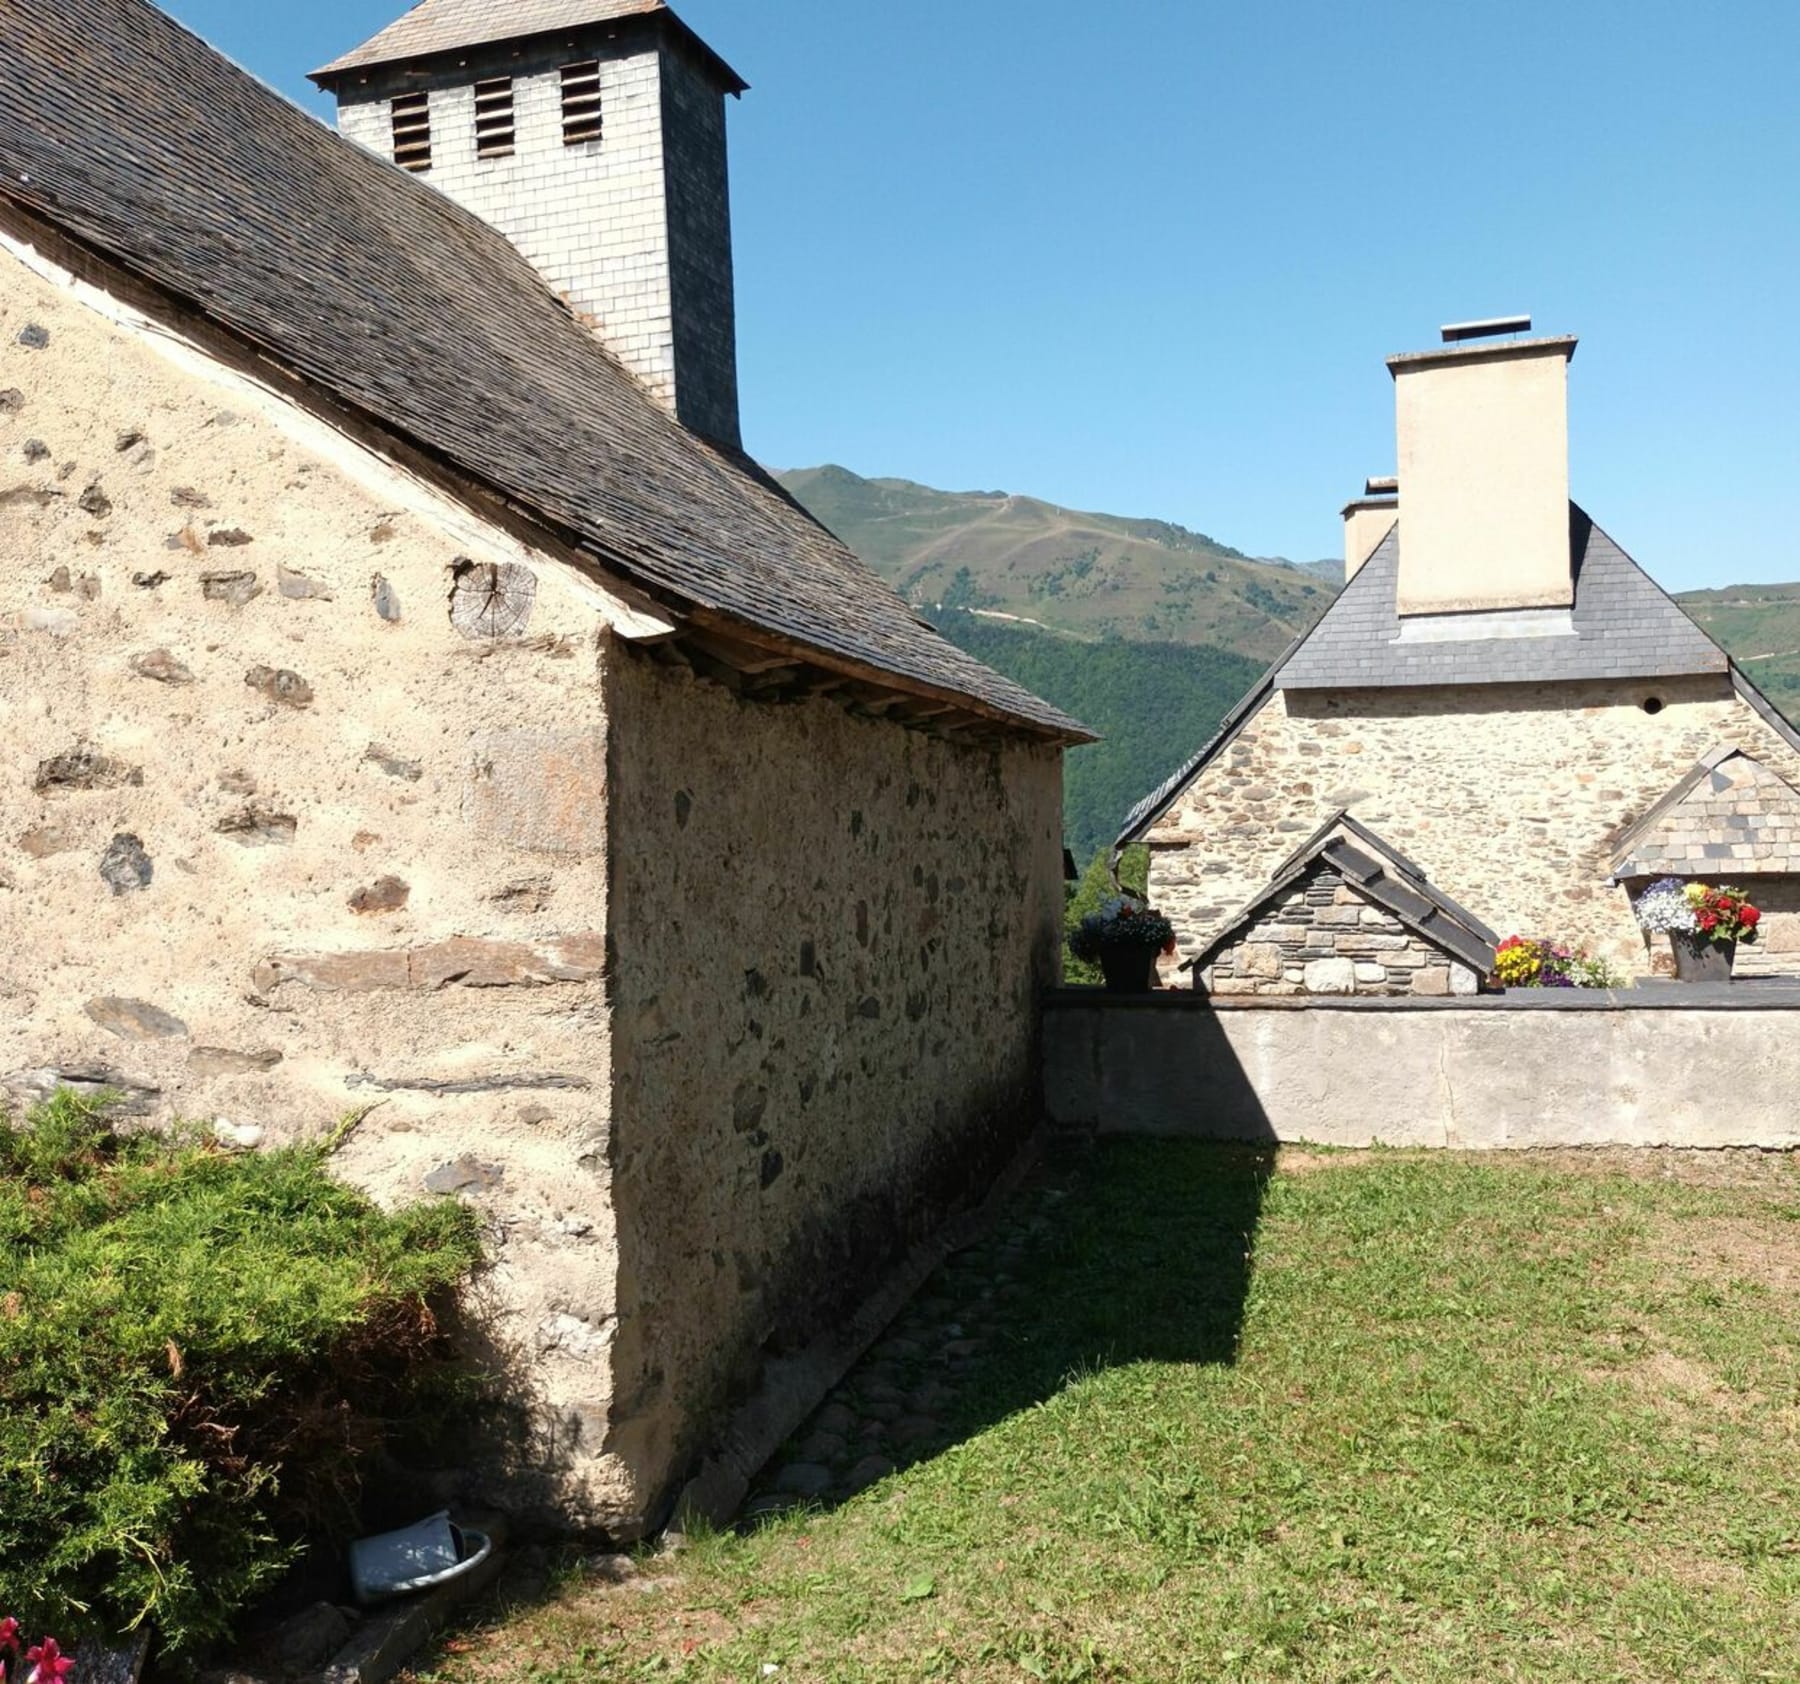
column 1749, row 917
column 9, row 1634
column 49, row 1665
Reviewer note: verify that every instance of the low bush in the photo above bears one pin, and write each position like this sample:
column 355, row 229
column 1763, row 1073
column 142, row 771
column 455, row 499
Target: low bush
column 196, row 1351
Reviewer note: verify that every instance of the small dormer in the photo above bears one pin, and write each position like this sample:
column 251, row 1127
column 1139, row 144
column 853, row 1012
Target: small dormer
column 591, row 133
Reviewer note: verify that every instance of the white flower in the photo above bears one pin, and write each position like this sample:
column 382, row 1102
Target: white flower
column 1663, row 908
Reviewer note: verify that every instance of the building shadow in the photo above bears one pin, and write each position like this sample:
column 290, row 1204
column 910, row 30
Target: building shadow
column 1119, row 1250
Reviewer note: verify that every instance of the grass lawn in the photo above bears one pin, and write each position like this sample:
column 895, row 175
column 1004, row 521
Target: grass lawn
column 1374, row 1416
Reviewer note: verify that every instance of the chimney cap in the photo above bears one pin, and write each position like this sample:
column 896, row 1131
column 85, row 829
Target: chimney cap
column 1388, row 487
column 1449, row 356
column 1491, row 328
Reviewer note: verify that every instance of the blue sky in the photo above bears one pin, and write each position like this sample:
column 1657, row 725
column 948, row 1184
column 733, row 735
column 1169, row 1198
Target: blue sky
column 1149, row 259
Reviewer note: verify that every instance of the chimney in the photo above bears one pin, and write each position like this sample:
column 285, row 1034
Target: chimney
column 1367, row 522
column 597, row 146
column 1484, row 457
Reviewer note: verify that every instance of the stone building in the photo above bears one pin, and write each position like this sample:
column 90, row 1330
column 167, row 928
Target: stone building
column 1499, row 689
column 1347, row 914
column 1730, row 818
column 408, row 710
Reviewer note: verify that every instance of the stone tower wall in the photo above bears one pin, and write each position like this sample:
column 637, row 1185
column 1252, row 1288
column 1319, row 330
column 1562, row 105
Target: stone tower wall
column 633, row 229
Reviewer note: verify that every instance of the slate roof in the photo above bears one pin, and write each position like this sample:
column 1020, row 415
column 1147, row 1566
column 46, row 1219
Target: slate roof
column 1346, row 826
column 1156, row 803
column 1729, row 817
column 1373, row 870
column 1626, row 626
column 137, row 140
column 445, row 26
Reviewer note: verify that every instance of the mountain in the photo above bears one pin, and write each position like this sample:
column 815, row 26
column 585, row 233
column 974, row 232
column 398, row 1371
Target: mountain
column 1142, row 629
column 1152, row 703
column 1760, row 625
column 1020, row 560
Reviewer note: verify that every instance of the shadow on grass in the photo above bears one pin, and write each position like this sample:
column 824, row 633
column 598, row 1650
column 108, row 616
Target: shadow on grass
column 1127, row 1251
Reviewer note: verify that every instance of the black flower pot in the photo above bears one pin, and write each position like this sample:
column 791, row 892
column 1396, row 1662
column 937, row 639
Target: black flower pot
column 1699, row 960
column 1129, row 967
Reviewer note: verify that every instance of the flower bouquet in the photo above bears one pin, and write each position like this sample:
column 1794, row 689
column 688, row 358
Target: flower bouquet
column 1527, row 962
column 1124, row 938
column 1704, row 925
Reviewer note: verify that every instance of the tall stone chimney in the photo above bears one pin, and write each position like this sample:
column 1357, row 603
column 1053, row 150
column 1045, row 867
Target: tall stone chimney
column 1484, row 472
column 591, row 133
column 1367, row 522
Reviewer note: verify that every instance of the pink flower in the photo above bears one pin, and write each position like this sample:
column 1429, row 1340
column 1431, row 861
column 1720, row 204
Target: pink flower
column 9, row 1634
column 49, row 1665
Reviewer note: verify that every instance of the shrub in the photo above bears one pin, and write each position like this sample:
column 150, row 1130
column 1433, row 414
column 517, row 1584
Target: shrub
column 196, row 1349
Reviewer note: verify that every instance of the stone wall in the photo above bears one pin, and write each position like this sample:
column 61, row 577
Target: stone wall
column 1512, row 798
column 831, row 938
column 711, row 1008
column 277, row 841
column 1321, row 937
column 1502, row 1071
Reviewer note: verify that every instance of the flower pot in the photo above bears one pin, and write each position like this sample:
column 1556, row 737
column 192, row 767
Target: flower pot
column 1129, row 967
column 1700, row 960
column 415, row 1558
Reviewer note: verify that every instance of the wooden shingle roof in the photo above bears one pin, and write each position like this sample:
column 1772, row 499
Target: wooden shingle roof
column 135, row 140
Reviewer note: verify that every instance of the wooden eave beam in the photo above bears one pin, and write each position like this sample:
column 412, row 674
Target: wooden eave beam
column 837, row 673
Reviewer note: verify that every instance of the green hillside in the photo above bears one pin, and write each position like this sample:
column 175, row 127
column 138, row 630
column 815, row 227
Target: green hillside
column 1153, row 703
column 1142, row 629
column 1096, row 576
column 1760, row 625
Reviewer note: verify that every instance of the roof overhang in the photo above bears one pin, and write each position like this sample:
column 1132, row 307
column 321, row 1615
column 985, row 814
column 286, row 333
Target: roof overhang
column 658, row 18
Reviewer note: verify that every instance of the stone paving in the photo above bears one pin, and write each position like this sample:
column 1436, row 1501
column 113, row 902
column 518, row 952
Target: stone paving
column 910, row 1396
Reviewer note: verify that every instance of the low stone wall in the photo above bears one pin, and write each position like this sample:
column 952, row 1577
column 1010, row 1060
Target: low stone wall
column 1661, row 1065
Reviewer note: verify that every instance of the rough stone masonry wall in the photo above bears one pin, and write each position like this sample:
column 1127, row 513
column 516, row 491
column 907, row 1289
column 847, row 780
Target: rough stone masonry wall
column 1324, row 938
column 1513, row 798
column 276, row 841
column 831, row 938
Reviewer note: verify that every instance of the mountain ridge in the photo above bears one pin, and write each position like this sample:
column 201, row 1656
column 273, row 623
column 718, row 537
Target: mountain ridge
column 1144, row 629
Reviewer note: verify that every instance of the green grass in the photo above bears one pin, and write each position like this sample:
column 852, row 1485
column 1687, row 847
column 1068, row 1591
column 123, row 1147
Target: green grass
column 1373, row 1417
